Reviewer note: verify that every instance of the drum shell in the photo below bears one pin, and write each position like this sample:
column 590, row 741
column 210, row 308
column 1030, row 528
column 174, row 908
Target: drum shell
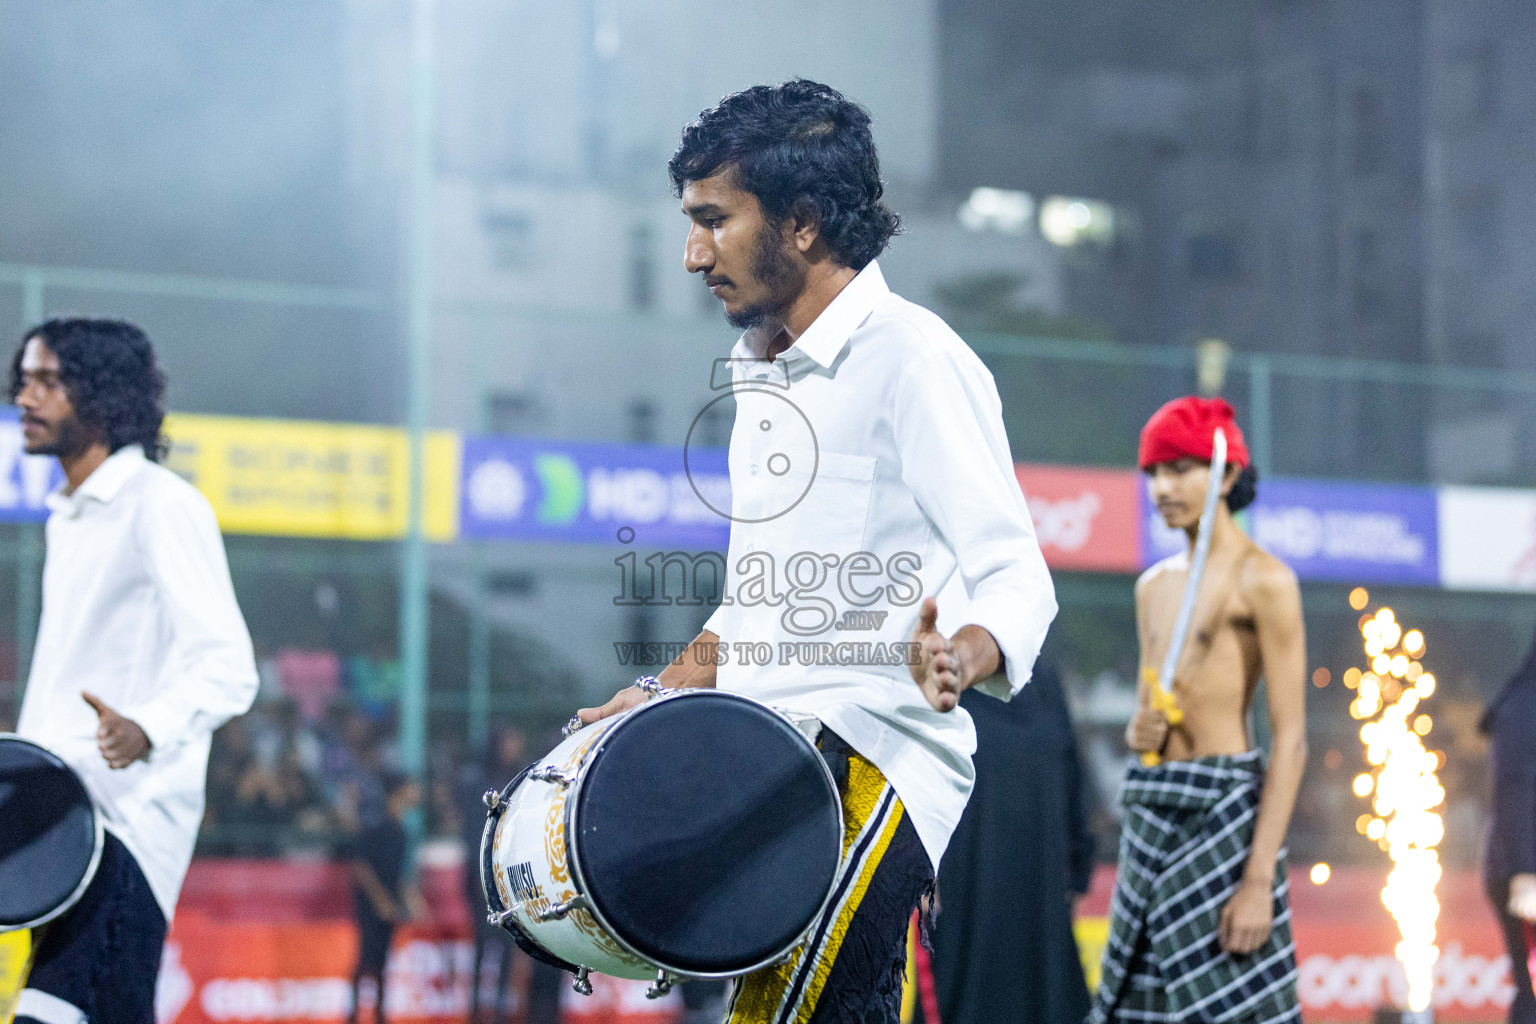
column 530, row 845
column 95, row 835
column 531, row 839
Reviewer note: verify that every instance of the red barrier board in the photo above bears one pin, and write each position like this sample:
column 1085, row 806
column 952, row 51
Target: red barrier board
column 1085, row 518
column 242, row 950
column 217, row 972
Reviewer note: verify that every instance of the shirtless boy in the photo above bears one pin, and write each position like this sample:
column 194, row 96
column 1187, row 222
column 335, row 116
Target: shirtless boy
column 1200, row 923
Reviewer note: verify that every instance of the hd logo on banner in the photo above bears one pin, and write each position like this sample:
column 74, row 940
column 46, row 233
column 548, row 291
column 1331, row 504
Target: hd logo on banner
column 518, row 488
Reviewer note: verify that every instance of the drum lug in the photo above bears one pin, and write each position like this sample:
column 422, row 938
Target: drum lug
column 492, row 799
column 582, row 986
column 549, row 773
column 571, row 726
column 661, row 987
column 559, row 911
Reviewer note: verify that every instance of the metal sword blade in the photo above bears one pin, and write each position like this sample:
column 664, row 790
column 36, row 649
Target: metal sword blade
column 1197, row 562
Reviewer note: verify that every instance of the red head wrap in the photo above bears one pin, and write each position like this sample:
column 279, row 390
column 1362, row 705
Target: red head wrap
column 1185, row 428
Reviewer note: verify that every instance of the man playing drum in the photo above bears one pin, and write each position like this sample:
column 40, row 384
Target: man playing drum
column 141, row 653
column 1199, row 921
column 868, row 465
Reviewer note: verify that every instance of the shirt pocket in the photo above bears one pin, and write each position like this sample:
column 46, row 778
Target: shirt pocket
column 832, row 513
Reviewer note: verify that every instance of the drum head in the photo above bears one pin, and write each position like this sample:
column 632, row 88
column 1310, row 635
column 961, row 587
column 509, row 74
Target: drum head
column 50, row 842
column 709, row 833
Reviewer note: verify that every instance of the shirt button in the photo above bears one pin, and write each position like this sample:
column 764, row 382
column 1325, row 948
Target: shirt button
column 754, row 468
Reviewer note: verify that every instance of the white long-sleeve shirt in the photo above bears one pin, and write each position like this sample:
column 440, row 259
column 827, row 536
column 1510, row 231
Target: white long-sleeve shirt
column 868, row 466
column 138, row 609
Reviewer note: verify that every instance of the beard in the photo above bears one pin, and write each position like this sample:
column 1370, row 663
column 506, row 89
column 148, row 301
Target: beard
column 69, row 438
column 777, row 272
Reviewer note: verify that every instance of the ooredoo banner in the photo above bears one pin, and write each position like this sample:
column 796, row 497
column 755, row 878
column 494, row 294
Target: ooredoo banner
column 1085, row 518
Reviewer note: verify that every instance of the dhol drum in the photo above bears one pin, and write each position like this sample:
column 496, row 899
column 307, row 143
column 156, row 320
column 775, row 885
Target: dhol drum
column 695, row 836
column 50, row 835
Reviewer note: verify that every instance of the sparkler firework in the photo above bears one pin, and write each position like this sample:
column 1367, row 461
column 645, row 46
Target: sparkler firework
column 1402, row 787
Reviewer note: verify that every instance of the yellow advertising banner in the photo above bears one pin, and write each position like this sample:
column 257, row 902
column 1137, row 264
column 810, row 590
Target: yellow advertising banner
column 302, row 478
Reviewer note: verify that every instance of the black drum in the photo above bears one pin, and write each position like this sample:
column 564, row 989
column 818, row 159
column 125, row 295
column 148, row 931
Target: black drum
column 50, row 835
column 698, row 835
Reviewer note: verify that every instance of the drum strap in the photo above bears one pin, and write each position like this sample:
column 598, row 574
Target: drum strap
column 835, row 751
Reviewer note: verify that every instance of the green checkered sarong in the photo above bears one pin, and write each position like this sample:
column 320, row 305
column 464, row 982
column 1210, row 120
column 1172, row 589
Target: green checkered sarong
column 1185, row 841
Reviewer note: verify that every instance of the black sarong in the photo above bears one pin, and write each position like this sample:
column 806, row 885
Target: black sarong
column 1185, row 842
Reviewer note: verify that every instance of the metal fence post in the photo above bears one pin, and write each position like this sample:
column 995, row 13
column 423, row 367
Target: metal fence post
column 414, row 583
column 29, row 548
column 1261, row 430
column 479, row 709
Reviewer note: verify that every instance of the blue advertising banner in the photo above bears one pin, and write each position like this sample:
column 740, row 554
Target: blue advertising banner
column 531, row 489
column 25, row 480
column 1332, row 530
column 1350, row 532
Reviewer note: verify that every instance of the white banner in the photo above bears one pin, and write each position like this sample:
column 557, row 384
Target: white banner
column 1487, row 538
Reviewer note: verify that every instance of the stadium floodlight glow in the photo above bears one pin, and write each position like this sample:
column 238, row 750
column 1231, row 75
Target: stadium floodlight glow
column 1003, row 210
column 1403, row 791
column 1066, row 221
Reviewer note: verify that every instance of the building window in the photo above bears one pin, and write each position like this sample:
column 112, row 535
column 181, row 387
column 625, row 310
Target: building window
column 642, row 267
column 1370, row 124
column 510, row 233
column 1213, row 256
column 1475, row 348
column 1467, row 89
column 1474, row 229
column 512, row 412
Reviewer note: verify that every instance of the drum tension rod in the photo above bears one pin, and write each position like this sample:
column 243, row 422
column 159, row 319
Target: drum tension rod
column 582, row 986
column 492, row 799
column 662, row 986
column 559, row 911
column 549, row 773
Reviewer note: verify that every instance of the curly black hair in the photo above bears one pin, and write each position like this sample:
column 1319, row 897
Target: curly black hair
column 108, row 368
column 799, row 147
column 1244, row 489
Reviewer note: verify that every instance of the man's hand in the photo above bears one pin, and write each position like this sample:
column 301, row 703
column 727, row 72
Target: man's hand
column 938, row 671
column 1148, row 731
column 1522, row 897
column 120, row 739
column 1247, row 918
column 629, row 697
column 388, row 910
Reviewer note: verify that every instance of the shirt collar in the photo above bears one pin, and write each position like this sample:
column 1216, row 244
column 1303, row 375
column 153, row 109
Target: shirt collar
column 824, row 340
column 103, row 484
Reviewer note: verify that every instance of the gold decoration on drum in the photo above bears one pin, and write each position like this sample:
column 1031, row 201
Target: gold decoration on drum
column 560, row 869
column 554, row 820
column 502, row 888
column 554, row 840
